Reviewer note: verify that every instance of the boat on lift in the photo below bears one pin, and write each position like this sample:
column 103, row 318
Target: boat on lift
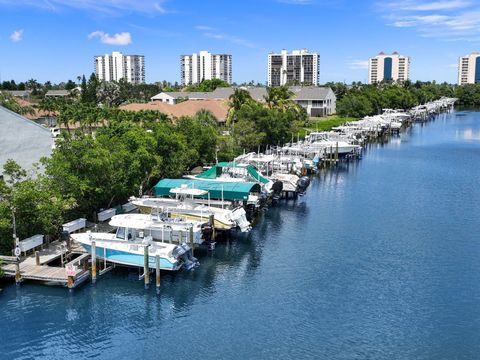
column 134, row 232
column 186, row 205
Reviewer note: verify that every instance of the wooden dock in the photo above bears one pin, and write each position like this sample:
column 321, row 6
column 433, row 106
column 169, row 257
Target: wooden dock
column 37, row 266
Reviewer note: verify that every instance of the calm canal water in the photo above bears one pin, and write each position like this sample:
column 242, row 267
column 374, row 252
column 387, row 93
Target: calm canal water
column 380, row 260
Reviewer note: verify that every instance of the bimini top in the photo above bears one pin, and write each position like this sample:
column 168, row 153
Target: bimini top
column 234, row 170
column 216, row 189
column 185, row 190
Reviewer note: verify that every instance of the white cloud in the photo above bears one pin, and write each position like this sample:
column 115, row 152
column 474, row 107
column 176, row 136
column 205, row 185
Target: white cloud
column 446, row 20
column 358, row 64
column 17, row 35
column 204, row 27
column 410, row 21
column 230, row 38
column 106, row 7
column 123, row 38
column 212, row 33
column 430, row 6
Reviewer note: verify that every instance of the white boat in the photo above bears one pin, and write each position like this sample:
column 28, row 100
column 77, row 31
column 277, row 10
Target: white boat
column 185, row 205
column 134, row 233
column 292, row 182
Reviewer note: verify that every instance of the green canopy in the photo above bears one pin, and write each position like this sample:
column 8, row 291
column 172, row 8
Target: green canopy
column 223, row 167
column 216, row 189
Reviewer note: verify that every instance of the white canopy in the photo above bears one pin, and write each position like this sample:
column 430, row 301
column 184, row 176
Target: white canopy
column 188, row 191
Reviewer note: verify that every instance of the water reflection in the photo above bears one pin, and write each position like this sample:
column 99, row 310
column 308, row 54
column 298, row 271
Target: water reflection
column 468, row 134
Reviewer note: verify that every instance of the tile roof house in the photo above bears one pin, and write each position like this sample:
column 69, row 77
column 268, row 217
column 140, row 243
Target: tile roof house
column 219, row 108
column 317, row 101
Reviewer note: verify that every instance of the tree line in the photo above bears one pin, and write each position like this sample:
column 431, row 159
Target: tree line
column 359, row 100
column 107, row 154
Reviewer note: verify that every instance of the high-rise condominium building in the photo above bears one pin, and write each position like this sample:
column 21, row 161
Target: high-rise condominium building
column 469, row 69
column 118, row 66
column 298, row 68
column 205, row 66
column 383, row 67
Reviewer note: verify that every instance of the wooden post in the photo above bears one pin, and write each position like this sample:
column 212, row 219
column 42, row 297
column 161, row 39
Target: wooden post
column 18, row 277
column 191, row 239
column 70, row 282
column 94, row 263
column 157, row 271
column 212, row 224
column 37, row 258
column 336, row 152
column 146, row 268
column 180, row 238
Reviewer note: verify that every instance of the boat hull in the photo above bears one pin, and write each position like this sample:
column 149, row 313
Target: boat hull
column 219, row 225
column 126, row 258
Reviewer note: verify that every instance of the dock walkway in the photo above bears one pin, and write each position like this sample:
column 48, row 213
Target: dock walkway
column 35, row 266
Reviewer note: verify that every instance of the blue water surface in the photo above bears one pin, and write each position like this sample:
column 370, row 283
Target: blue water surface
column 380, row 260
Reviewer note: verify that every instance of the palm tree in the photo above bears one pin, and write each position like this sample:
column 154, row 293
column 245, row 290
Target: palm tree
column 237, row 99
column 279, row 98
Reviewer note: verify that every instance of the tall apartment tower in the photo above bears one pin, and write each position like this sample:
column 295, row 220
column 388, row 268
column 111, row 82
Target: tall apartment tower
column 205, row 66
column 383, row 67
column 469, row 69
column 118, row 66
column 298, row 68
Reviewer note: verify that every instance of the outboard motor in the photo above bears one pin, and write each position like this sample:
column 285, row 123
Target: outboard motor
column 180, row 250
column 302, row 184
column 262, row 199
column 277, row 188
column 183, row 253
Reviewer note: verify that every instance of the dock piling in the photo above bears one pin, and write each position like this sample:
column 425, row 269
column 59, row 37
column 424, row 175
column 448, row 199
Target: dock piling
column 94, row 263
column 212, row 224
column 70, row 282
column 191, row 239
column 146, row 268
column 18, row 277
column 37, row 258
column 157, row 272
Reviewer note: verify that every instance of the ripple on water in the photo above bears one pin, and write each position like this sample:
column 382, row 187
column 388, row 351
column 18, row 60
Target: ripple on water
column 380, row 260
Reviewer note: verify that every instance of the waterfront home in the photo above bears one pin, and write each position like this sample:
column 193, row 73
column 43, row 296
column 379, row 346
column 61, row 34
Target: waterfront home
column 21, row 94
column 57, row 93
column 317, row 101
column 219, row 108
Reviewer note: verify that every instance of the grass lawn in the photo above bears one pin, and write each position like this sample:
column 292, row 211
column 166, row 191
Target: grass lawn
column 324, row 124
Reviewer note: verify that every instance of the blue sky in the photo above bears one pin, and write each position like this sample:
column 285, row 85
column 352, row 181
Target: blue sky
column 57, row 39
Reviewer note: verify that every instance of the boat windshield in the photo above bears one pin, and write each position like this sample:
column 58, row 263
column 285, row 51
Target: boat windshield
column 121, row 233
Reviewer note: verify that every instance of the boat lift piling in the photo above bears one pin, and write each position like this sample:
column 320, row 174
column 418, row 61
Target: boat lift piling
column 146, row 269
column 18, row 278
column 94, row 263
column 192, row 245
column 157, row 272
